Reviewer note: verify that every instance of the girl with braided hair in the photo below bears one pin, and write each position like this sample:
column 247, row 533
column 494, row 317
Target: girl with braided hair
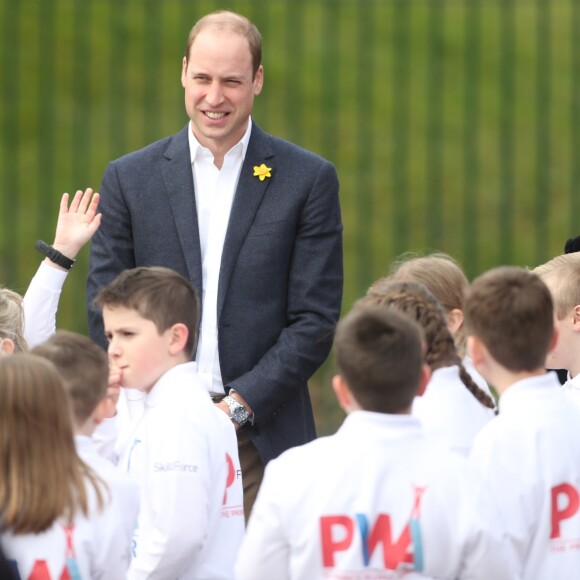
column 453, row 408
column 445, row 279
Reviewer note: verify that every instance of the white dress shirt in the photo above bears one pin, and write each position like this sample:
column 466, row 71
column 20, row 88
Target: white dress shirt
column 214, row 195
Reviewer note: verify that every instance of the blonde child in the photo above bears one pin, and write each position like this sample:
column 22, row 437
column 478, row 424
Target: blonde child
column 444, row 278
column 177, row 444
column 453, row 408
column 530, row 452
column 378, row 499
column 56, row 517
column 562, row 276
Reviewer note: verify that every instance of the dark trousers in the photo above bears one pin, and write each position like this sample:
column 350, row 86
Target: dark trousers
column 252, row 471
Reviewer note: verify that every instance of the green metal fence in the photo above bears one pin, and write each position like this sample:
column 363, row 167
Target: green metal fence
column 454, row 124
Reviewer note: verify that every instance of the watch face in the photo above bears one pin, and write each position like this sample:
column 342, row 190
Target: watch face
column 239, row 414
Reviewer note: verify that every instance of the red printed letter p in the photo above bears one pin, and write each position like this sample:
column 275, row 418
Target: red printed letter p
column 335, row 535
column 565, row 503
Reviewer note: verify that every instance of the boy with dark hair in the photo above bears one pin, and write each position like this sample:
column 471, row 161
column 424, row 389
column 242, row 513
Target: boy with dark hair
column 377, row 499
column 179, row 446
column 530, row 452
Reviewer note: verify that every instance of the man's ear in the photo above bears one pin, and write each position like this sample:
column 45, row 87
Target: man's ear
column 184, row 73
column 343, row 394
column 454, row 320
column 7, row 347
column 425, row 378
column 178, row 338
column 259, row 81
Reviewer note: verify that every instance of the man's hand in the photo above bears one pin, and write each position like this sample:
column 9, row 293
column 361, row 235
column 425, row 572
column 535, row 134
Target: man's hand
column 76, row 224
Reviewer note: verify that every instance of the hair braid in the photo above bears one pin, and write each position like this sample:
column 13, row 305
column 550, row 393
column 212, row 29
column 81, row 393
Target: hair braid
column 415, row 300
column 474, row 388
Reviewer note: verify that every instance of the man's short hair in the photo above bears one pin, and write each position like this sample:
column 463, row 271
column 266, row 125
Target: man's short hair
column 158, row 294
column 562, row 276
column 226, row 20
column 83, row 367
column 379, row 354
column 511, row 311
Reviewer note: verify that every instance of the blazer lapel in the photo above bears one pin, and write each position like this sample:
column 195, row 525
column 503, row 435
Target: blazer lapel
column 249, row 193
column 178, row 179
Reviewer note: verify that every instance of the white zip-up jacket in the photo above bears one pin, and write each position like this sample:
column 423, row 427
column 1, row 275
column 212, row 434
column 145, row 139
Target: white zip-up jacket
column 375, row 500
column 449, row 413
column 530, row 454
column 177, row 451
column 123, row 490
column 97, row 547
column 40, row 304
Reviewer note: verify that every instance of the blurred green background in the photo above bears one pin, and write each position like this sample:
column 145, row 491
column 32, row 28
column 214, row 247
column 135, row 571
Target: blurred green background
column 454, row 124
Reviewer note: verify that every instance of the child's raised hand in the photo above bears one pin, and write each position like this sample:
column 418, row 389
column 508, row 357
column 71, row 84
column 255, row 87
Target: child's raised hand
column 76, row 224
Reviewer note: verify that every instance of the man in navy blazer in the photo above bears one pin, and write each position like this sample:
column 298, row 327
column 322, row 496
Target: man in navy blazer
column 273, row 297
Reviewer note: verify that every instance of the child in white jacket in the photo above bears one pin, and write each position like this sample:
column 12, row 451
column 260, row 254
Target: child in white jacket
column 84, row 370
column 530, row 452
column 562, row 276
column 453, row 408
column 377, row 499
column 58, row 517
column 176, row 444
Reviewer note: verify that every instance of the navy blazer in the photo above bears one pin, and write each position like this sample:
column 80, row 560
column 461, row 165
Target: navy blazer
column 281, row 275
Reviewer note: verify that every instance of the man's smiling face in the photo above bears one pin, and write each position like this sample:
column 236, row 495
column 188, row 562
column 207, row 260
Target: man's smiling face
column 219, row 88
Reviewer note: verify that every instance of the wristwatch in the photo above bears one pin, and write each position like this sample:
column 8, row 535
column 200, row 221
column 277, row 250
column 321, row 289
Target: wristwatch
column 238, row 412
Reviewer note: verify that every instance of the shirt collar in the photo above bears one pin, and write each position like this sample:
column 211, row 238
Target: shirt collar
column 166, row 380
column 572, row 383
column 542, row 384
column 382, row 426
column 196, row 148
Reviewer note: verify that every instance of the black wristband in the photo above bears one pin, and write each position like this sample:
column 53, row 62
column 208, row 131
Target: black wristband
column 54, row 255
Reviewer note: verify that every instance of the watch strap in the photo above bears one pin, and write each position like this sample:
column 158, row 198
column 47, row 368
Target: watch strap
column 54, row 255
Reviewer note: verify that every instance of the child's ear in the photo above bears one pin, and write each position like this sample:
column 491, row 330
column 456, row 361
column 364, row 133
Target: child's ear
column 454, row 320
column 476, row 351
column 576, row 318
column 425, row 377
column 178, row 338
column 6, row 347
column 343, row 394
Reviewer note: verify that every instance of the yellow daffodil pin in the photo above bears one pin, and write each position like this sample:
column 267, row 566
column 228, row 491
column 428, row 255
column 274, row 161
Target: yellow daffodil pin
column 262, row 171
